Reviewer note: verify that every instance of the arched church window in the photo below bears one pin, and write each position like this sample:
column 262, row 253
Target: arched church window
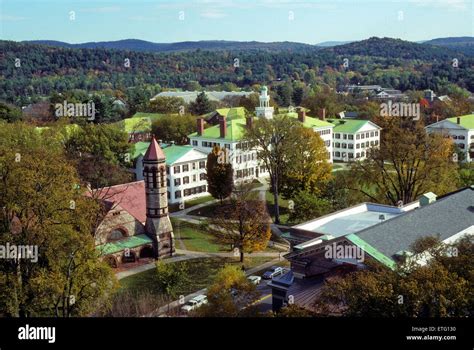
column 117, row 234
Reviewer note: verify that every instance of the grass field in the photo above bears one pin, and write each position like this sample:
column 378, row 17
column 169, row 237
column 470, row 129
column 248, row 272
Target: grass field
column 196, row 239
column 200, row 274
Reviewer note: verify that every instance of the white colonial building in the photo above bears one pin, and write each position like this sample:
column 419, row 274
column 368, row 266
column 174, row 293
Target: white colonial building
column 352, row 138
column 185, row 169
column 460, row 130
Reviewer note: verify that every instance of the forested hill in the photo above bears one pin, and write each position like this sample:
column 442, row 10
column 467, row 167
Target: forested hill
column 464, row 44
column 32, row 70
column 208, row 45
column 394, row 48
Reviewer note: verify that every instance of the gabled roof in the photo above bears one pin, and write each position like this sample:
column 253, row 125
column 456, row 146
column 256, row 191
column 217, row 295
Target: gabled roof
column 350, row 126
column 232, row 113
column 129, row 196
column 154, row 151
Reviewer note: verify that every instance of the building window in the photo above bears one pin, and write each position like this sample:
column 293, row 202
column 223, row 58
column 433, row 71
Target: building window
column 195, row 143
column 351, row 155
column 376, row 133
column 351, row 146
column 367, row 144
column 185, row 167
column 338, row 136
column 168, row 182
column 344, row 145
column 337, row 145
column 376, row 142
column 357, row 155
column 362, row 145
column 177, row 182
column 357, row 137
column 337, row 154
column 194, row 178
column 362, row 136
column 202, row 164
column 177, row 194
column 177, row 169
column 116, row 234
column 371, row 134
column 344, row 136
column 185, row 180
column 367, row 134
column 351, row 137
column 327, row 143
column 202, row 176
column 358, row 145
column 363, row 154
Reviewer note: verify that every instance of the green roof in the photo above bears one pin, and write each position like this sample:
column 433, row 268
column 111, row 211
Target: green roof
column 310, row 122
column 172, row 153
column 349, row 126
column 232, row 113
column 129, row 242
column 467, row 121
column 140, row 122
column 373, row 252
column 235, row 130
column 236, row 127
column 140, row 149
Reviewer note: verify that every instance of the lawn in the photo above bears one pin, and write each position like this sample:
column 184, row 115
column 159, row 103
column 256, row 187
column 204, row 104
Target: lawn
column 195, row 238
column 200, row 274
column 197, row 201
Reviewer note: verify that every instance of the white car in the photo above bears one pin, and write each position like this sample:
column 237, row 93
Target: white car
column 254, row 279
column 194, row 303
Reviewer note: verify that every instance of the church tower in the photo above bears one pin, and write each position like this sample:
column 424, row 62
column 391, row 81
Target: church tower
column 158, row 225
column 264, row 111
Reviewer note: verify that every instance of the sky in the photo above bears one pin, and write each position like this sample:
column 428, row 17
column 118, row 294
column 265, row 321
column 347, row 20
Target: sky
column 307, row 21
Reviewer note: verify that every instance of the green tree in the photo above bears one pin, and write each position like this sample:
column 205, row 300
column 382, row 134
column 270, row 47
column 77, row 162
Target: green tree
column 44, row 207
column 201, row 105
column 163, row 104
column 174, row 128
column 273, row 140
column 170, row 278
column 307, row 206
column 219, row 173
column 9, row 113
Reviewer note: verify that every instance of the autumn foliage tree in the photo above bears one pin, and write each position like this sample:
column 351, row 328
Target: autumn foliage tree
column 219, row 173
column 44, row 206
column 408, row 163
column 307, row 168
column 230, row 295
column 243, row 223
column 441, row 288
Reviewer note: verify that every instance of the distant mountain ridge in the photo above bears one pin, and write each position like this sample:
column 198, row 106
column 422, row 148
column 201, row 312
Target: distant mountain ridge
column 147, row 46
column 464, row 45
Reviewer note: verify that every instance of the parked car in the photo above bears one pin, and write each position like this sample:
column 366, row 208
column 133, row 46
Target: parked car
column 274, row 271
column 254, row 279
column 194, row 303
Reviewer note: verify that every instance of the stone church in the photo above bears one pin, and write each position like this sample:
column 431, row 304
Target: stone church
column 136, row 223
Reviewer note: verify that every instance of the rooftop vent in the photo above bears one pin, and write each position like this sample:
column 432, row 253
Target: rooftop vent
column 427, row 198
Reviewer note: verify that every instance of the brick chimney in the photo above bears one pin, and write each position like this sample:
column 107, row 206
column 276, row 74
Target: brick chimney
column 301, row 115
column 223, row 126
column 458, row 120
column 200, row 126
column 322, row 114
column 249, row 122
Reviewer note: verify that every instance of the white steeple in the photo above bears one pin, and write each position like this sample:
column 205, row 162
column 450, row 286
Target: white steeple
column 264, row 110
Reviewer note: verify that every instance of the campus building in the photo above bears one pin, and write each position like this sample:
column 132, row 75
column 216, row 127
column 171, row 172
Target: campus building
column 352, row 138
column 460, row 130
